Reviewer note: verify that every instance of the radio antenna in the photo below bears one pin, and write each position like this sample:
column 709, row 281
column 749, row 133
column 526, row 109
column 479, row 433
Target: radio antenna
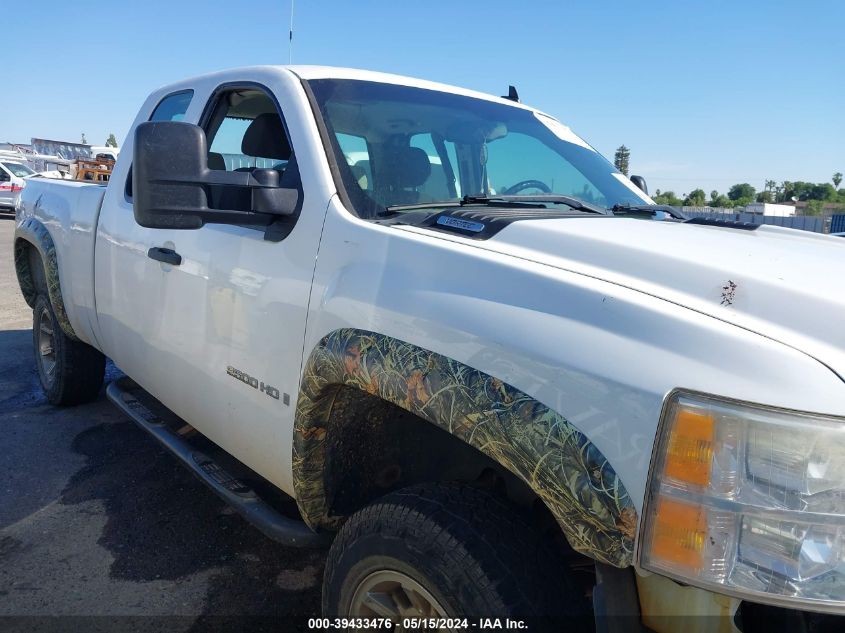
column 290, row 35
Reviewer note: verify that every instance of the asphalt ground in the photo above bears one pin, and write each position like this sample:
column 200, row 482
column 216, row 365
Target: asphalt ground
column 102, row 530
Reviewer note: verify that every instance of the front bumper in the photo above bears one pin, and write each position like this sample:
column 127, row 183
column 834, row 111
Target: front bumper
column 667, row 606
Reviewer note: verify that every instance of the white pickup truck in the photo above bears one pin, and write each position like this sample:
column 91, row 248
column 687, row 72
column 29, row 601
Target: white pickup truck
column 496, row 377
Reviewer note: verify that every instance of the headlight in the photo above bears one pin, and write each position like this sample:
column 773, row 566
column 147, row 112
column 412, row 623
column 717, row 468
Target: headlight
column 749, row 500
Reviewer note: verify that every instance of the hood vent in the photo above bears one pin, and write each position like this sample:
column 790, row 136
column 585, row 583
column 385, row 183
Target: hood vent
column 481, row 224
column 728, row 224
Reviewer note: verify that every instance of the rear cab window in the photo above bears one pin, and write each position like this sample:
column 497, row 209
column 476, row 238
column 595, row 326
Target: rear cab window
column 440, row 184
column 357, row 155
column 171, row 108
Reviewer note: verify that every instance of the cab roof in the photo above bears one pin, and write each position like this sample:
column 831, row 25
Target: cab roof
column 334, row 72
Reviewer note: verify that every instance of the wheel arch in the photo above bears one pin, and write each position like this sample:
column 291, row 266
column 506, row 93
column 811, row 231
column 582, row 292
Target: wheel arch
column 37, row 268
column 539, row 446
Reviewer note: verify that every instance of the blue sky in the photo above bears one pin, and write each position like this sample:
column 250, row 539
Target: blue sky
column 704, row 93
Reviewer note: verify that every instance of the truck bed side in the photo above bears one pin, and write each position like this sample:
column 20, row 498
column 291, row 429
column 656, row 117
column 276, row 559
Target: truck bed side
column 59, row 219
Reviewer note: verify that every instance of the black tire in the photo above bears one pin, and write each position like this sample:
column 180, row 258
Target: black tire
column 71, row 372
column 476, row 554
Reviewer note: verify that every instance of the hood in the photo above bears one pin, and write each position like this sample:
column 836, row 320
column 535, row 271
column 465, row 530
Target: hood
column 785, row 284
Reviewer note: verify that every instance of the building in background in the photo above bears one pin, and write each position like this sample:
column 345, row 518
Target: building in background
column 61, row 149
column 767, row 208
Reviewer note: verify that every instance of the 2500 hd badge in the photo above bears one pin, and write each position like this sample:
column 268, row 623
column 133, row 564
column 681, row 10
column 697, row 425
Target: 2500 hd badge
column 253, row 382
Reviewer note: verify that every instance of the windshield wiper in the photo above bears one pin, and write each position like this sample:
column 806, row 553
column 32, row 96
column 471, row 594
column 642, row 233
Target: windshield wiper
column 497, row 201
column 650, row 209
column 512, row 202
column 423, row 205
column 534, row 202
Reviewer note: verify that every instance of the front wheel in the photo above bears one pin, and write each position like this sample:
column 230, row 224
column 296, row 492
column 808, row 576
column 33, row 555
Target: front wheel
column 71, row 372
column 446, row 551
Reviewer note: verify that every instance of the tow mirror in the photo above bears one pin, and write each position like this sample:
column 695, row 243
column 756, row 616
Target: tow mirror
column 640, row 182
column 171, row 182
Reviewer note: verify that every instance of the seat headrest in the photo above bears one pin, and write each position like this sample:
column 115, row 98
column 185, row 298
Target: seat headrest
column 265, row 137
column 216, row 162
column 409, row 167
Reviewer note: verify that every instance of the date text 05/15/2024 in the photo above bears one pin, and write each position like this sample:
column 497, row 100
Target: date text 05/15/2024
column 452, row 624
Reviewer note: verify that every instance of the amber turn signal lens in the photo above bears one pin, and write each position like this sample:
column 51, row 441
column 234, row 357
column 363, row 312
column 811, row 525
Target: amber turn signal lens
column 678, row 534
column 690, row 451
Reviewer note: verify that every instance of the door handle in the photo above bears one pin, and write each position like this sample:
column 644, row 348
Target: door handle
column 166, row 255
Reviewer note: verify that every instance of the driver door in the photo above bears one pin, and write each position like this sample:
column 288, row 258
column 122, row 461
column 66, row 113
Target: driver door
column 218, row 338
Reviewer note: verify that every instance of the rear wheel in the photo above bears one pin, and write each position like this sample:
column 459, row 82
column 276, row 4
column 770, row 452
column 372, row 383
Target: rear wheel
column 447, row 551
column 71, row 372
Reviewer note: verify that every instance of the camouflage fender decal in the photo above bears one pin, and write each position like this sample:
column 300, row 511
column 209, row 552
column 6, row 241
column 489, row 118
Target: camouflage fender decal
column 560, row 464
column 31, row 232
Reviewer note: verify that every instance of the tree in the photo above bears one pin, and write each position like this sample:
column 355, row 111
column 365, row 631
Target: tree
column 717, row 200
column 111, row 141
column 837, row 179
column 823, row 191
column 811, row 191
column 771, row 192
column 742, row 192
column 622, row 159
column 84, row 142
column 814, row 207
column 668, row 197
column 696, row 198
column 721, row 201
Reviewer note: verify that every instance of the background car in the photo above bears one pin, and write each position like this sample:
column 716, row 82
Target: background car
column 12, row 183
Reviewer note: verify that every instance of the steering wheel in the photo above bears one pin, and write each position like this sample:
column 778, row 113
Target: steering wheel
column 527, row 184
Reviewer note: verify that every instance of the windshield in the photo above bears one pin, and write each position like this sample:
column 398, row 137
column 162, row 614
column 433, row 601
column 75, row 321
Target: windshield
column 398, row 145
column 18, row 170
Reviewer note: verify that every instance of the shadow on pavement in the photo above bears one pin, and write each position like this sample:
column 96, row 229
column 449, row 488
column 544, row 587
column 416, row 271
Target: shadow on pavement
column 161, row 522
column 164, row 524
column 19, row 385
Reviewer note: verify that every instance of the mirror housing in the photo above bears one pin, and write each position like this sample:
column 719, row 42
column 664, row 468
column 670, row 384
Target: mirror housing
column 640, row 182
column 171, row 180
